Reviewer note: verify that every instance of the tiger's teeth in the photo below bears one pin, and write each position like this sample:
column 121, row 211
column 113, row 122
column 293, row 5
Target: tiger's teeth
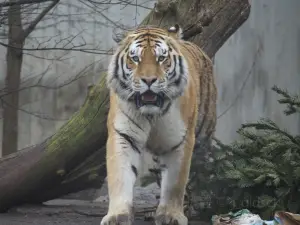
column 154, row 98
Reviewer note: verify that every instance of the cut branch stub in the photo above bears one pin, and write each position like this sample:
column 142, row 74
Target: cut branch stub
column 205, row 18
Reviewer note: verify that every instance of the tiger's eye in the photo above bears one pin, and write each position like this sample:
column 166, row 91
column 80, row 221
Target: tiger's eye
column 135, row 59
column 161, row 58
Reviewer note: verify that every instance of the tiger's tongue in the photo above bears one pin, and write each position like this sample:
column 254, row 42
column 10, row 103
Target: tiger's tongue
column 149, row 97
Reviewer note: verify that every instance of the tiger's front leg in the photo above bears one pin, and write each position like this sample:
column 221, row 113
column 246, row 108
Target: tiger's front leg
column 123, row 164
column 175, row 172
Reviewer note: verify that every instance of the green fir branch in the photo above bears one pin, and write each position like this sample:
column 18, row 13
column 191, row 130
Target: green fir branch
column 263, row 164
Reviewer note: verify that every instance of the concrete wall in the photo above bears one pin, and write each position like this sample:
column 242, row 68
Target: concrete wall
column 263, row 52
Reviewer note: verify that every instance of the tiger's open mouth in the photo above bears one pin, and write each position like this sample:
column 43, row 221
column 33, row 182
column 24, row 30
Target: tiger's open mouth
column 149, row 98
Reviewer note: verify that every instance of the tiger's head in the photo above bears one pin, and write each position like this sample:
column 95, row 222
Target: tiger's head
column 148, row 68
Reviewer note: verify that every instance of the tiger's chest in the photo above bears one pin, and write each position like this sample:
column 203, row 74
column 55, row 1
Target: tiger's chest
column 166, row 134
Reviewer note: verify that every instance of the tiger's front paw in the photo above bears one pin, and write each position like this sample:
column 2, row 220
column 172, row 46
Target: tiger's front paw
column 165, row 216
column 119, row 216
column 117, row 219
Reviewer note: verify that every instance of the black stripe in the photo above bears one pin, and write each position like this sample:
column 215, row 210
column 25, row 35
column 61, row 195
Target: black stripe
column 123, row 85
column 155, row 36
column 129, row 139
column 139, row 37
column 178, row 81
column 173, row 73
column 152, row 29
column 180, row 64
column 182, row 140
column 134, row 170
column 167, row 108
column 148, row 35
column 122, row 66
column 131, row 120
column 141, row 40
column 154, row 170
column 117, row 65
column 155, row 40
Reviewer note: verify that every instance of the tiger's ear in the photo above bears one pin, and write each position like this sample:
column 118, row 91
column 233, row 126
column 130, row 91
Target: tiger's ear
column 175, row 31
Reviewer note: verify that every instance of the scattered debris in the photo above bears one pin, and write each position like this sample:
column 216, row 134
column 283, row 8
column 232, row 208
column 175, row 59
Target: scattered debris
column 245, row 217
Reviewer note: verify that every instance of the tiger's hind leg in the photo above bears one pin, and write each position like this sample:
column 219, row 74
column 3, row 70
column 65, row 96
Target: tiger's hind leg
column 175, row 172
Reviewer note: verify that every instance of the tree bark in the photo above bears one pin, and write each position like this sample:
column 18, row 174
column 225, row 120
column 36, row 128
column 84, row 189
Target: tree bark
column 34, row 174
column 14, row 58
column 70, row 160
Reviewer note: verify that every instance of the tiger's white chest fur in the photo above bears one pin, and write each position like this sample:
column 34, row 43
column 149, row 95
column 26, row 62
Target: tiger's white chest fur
column 166, row 133
column 154, row 137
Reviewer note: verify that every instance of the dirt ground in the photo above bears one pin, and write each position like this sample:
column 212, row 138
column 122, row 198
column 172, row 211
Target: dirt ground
column 59, row 212
column 43, row 219
column 67, row 212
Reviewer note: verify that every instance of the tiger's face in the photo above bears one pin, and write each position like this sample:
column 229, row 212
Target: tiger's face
column 148, row 70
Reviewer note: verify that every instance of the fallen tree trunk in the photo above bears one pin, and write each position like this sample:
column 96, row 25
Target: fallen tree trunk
column 34, row 174
column 73, row 158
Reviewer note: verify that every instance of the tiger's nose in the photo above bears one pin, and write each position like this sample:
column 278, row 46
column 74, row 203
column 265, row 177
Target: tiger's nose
column 149, row 80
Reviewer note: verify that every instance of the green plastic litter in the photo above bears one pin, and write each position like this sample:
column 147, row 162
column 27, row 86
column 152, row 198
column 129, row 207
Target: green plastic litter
column 231, row 214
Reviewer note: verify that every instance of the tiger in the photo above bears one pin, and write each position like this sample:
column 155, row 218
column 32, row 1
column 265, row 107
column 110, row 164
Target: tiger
column 160, row 87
